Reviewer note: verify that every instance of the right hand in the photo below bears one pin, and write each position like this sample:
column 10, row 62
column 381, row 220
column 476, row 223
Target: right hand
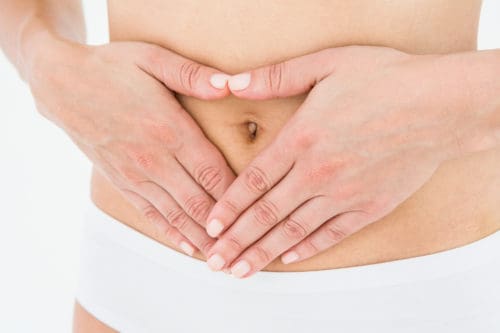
column 116, row 102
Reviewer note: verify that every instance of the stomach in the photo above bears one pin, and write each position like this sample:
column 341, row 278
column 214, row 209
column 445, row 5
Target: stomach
column 457, row 206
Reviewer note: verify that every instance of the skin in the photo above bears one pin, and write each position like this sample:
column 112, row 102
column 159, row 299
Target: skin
column 345, row 155
column 202, row 48
column 137, row 159
column 236, row 36
column 85, row 322
column 241, row 46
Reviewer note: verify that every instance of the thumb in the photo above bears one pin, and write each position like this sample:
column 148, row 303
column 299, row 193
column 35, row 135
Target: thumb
column 183, row 75
column 288, row 78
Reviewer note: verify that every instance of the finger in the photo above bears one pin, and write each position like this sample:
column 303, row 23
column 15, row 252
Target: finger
column 329, row 234
column 192, row 170
column 287, row 233
column 183, row 75
column 151, row 198
column 173, row 214
column 189, row 195
column 256, row 179
column 156, row 218
column 205, row 164
column 257, row 220
column 288, row 78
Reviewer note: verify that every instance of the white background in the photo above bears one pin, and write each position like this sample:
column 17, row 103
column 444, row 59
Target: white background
column 44, row 182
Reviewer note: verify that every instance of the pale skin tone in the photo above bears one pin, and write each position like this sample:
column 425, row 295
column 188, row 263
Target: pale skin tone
column 352, row 152
column 130, row 169
column 136, row 159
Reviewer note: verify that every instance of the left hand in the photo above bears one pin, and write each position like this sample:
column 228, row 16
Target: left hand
column 374, row 128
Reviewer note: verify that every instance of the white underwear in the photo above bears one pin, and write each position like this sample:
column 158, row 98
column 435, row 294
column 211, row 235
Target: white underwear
column 134, row 284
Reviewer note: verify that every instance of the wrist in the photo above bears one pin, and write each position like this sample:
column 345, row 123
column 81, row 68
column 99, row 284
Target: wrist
column 37, row 44
column 467, row 95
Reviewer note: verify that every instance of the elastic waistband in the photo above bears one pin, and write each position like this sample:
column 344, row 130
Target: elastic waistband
column 102, row 228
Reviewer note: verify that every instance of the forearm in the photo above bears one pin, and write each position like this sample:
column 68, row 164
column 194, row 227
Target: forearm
column 23, row 21
column 478, row 90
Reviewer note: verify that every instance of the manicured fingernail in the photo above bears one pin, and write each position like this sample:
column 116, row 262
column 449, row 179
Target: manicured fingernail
column 187, row 248
column 289, row 257
column 240, row 269
column 216, row 262
column 227, row 270
column 219, row 81
column 214, row 227
column 239, row 81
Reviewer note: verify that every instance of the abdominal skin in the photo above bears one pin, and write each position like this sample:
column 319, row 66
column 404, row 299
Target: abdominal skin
column 458, row 205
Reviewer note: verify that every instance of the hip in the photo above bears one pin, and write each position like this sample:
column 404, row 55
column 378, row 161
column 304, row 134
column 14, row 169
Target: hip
column 134, row 284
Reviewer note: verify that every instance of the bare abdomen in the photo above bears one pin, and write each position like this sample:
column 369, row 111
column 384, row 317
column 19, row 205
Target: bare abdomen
column 456, row 207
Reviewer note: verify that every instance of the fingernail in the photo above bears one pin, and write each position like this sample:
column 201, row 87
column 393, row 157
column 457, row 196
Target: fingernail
column 216, row 262
column 240, row 269
column 187, row 248
column 214, row 227
column 227, row 270
column 219, row 80
column 289, row 257
column 239, row 81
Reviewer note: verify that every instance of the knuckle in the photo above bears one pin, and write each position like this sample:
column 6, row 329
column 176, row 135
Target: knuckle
column 346, row 193
column 197, row 207
column 230, row 206
column 233, row 243
column 321, row 171
column 261, row 254
column 189, row 74
column 303, row 140
column 138, row 158
column 171, row 233
column 294, row 229
column 177, row 219
column 335, row 233
column 208, row 176
column 257, row 180
column 310, row 246
column 163, row 131
column 274, row 77
column 144, row 160
column 151, row 214
column 265, row 213
column 206, row 245
column 130, row 176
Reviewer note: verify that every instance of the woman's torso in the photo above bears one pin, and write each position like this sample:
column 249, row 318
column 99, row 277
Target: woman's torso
column 458, row 205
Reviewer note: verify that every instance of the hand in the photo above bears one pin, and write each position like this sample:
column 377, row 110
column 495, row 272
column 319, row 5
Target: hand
column 115, row 102
column 372, row 131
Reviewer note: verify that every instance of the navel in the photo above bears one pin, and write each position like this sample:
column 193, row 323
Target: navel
column 253, row 130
